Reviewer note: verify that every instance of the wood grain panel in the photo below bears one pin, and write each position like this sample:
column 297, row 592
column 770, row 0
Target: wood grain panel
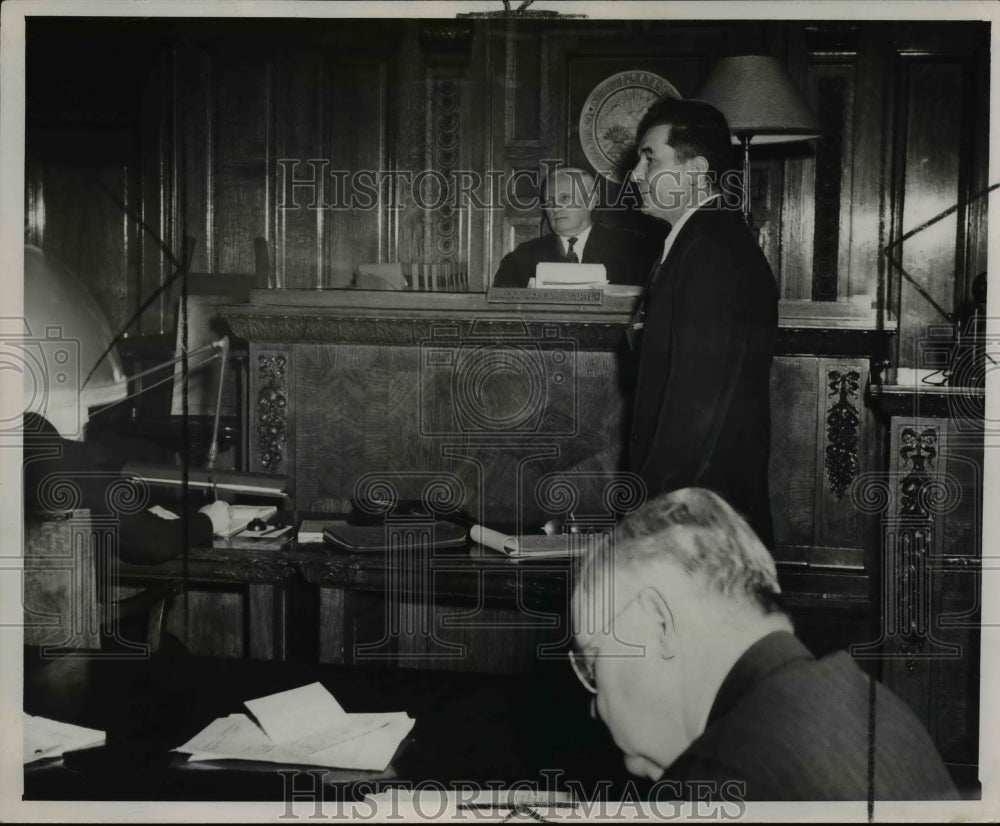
column 871, row 161
column 195, row 147
column 242, row 160
column 158, row 195
column 518, row 230
column 369, row 409
column 300, row 111
column 526, row 85
column 930, row 186
column 59, row 583
column 794, row 270
column 209, row 623
column 957, row 603
column 355, row 141
column 795, row 459
column 481, row 639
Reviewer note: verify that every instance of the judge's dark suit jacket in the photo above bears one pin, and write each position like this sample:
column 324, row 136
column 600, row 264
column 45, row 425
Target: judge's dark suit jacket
column 626, row 255
column 790, row 727
column 701, row 412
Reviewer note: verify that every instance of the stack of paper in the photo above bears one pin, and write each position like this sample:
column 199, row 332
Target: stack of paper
column 304, row 726
column 553, row 275
column 44, row 738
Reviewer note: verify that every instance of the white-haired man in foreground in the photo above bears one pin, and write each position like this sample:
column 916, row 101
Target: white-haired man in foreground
column 696, row 672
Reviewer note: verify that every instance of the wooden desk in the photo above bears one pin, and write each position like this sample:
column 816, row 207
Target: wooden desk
column 263, row 575
column 469, row 727
column 470, row 610
column 460, row 610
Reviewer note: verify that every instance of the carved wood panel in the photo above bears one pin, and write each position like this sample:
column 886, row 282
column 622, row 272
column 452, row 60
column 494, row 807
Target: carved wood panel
column 272, row 410
column 820, row 444
column 931, row 553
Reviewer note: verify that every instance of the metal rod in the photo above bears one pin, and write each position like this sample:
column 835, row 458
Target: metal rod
column 746, row 137
column 223, row 358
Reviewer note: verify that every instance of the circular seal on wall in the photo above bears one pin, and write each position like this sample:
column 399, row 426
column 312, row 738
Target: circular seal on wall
column 611, row 114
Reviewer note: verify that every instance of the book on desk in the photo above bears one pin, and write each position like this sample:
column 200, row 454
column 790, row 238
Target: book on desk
column 340, row 534
column 538, row 546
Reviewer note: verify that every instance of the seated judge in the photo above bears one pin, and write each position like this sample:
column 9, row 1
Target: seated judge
column 63, row 468
column 700, row 679
column 569, row 196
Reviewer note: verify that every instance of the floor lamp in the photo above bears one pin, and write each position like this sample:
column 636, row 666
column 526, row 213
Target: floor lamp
column 761, row 104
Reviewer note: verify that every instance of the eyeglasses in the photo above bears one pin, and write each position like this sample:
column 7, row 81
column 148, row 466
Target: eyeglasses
column 584, row 671
column 583, row 666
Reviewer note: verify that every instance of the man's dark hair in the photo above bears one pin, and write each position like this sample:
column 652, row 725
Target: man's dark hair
column 696, row 128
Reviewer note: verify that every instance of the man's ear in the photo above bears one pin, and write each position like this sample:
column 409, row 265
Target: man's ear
column 652, row 602
column 699, row 163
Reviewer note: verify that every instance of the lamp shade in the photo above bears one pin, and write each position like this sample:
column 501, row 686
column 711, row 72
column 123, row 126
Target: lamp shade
column 63, row 337
column 759, row 100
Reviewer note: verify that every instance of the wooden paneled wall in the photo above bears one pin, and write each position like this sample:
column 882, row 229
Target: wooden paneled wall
column 252, row 123
column 207, row 132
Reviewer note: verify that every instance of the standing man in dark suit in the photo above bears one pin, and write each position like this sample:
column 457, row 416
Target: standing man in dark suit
column 706, row 328
column 569, row 196
column 680, row 635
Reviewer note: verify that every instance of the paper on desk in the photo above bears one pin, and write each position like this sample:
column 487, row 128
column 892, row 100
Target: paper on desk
column 290, row 715
column 555, row 275
column 309, row 728
column 45, row 738
column 364, row 741
column 234, row 737
column 163, row 513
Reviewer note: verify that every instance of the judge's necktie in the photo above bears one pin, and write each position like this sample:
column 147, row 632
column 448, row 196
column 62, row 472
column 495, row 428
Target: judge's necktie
column 571, row 256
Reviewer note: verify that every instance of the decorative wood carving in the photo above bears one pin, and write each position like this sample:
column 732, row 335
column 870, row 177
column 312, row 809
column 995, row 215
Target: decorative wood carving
column 275, row 326
column 920, row 494
column 914, row 536
column 446, row 37
column 254, row 569
column 272, row 410
column 918, row 452
column 443, row 100
column 842, row 430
